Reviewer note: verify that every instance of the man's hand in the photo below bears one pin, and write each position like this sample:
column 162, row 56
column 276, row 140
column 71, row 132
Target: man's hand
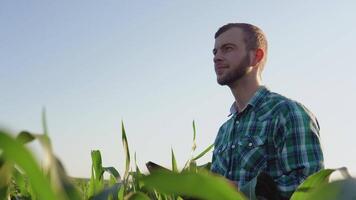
column 266, row 188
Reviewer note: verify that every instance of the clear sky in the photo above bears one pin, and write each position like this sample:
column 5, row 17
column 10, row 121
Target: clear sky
column 149, row 63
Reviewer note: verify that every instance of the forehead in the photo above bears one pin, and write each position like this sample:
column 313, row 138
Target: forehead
column 233, row 36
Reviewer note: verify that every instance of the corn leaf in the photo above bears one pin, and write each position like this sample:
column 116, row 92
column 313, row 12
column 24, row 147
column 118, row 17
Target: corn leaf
column 137, row 196
column 113, row 172
column 25, row 137
column 96, row 181
column 204, row 152
column 136, row 176
column 120, row 193
column 97, row 164
column 194, row 137
column 344, row 172
column 55, row 171
column 126, row 149
column 5, row 177
column 206, row 166
column 44, row 122
column 15, row 152
column 109, row 192
column 312, row 182
column 341, row 190
column 197, row 185
column 21, row 182
column 174, row 162
column 63, row 185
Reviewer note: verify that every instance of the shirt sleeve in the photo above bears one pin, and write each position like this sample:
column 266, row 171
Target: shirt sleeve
column 300, row 154
column 249, row 189
column 217, row 165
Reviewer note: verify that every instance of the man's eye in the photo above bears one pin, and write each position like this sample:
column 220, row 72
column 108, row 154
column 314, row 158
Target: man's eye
column 228, row 48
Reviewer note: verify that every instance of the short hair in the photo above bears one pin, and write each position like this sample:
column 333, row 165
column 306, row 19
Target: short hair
column 254, row 37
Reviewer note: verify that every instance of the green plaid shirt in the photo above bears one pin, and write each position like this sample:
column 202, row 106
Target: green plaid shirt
column 274, row 135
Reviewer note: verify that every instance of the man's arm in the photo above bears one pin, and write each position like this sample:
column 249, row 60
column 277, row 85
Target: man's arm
column 300, row 152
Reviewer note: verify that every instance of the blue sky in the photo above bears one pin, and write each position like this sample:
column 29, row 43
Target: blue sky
column 93, row 64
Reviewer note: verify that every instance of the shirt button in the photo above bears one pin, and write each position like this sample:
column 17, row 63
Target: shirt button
column 237, row 122
column 230, row 172
column 250, row 144
column 219, row 151
column 233, row 146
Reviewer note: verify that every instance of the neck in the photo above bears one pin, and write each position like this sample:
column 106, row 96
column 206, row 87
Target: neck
column 243, row 90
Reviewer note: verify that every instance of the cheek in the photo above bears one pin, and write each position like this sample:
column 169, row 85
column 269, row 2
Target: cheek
column 233, row 59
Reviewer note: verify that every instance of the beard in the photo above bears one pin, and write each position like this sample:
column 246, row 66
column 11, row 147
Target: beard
column 235, row 73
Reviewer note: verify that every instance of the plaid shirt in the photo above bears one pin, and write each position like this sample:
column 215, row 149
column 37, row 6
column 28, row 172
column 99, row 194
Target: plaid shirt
column 274, row 135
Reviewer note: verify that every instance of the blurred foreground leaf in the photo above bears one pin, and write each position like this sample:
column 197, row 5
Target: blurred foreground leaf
column 314, row 182
column 14, row 151
column 202, row 185
column 137, row 196
column 62, row 185
column 341, row 190
column 5, row 177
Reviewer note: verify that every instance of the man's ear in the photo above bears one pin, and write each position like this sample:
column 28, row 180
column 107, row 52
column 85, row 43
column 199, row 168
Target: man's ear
column 257, row 56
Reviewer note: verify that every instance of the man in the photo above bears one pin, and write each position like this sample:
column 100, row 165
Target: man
column 270, row 144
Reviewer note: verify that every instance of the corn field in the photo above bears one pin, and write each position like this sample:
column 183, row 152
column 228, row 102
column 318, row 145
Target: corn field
column 21, row 177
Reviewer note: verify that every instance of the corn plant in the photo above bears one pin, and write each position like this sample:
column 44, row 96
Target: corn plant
column 21, row 177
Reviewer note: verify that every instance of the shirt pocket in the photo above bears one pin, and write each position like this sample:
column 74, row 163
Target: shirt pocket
column 252, row 155
column 220, row 158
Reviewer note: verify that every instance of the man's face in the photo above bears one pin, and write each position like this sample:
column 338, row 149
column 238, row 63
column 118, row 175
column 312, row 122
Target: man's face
column 231, row 60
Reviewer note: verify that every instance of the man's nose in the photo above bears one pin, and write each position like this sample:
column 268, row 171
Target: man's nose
column 217, row 57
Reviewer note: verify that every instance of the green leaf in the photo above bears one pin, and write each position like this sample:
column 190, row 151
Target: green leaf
column 97, row 164
column 108, row 192
column 202, row 185
column 136, row 176
column 44, row 121
column 25, row 137
column 204, row 152
column 137, row 196
column 113, row 172
column 341, row 190
column 14, row 151
column 174, row 163
column 126, row 149
column 312, row 182
column 206, row 166
column 137, row 168
column 5, row 177
column 63, row 187
column 120, row 193
column 96, row 181
column 20, row 181
column 193, row 166
column 194, row 137
column 344, row 172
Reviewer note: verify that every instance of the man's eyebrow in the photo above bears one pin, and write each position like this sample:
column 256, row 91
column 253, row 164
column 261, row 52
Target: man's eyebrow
column 224, row 45
column 228, row 44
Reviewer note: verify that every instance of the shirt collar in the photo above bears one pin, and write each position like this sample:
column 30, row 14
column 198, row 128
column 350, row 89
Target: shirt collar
column 254, row 101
